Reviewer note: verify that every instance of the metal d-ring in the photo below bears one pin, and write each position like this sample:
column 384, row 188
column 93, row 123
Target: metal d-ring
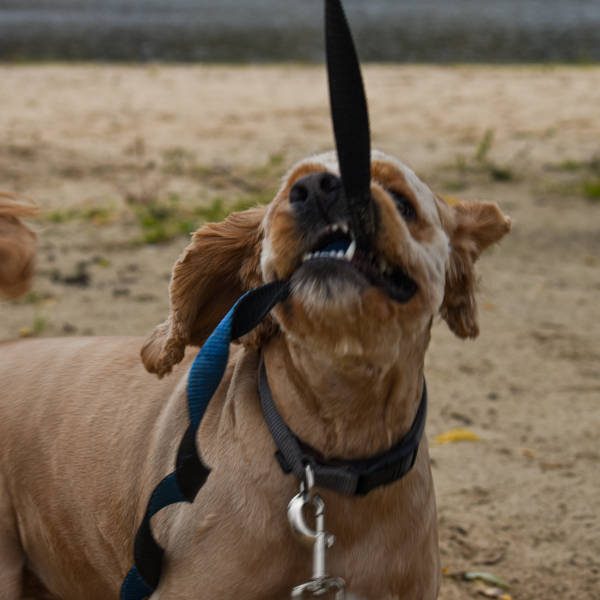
column 308, row 481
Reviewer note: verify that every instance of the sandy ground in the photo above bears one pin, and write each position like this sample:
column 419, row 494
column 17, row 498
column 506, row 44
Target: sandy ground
column 119, row 157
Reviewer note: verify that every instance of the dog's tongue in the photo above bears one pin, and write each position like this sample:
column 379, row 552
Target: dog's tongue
column 350, row 122
column 336, row 246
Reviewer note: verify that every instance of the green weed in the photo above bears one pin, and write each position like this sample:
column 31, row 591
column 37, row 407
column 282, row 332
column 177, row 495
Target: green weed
column 467, row 167
column 99, row 215
column 591, row 189
column 484, row 146
column 37, row 327
column 485, row 164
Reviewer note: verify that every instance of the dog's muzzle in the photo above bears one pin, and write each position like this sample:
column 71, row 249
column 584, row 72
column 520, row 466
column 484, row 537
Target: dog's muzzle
column 331, row 249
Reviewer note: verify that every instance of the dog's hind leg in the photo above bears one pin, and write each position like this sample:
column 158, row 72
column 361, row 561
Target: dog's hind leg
column 12, row 558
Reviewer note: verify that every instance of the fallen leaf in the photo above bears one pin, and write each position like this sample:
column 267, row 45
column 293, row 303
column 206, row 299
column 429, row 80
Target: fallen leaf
column 486, row 578
column 494, row 592
column 456, row 435
column 528, row 453
column 451, row 200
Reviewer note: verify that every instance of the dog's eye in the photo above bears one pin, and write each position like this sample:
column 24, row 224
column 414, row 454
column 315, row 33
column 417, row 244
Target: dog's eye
column 404, row 206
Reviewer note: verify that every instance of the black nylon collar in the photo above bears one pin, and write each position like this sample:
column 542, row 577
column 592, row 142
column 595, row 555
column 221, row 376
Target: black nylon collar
column 350, row 477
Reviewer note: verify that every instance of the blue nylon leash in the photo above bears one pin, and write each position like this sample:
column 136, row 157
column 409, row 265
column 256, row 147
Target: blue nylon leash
column 183, row 484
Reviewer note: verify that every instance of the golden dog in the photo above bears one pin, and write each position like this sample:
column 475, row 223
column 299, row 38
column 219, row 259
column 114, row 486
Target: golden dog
column 85, row 432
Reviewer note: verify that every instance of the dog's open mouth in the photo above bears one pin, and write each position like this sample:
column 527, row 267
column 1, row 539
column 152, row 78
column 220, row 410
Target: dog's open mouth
column 335, row 248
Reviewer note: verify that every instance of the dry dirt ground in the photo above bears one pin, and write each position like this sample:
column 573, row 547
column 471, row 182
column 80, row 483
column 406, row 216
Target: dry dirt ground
column 124, row 161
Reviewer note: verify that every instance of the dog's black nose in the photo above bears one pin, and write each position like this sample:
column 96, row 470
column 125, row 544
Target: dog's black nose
column 323, row 189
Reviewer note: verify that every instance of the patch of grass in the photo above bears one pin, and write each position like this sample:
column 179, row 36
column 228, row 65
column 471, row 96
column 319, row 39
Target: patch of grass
column 39, row 324
column 35, row 298
column 163, row 220
column 569, row 165
column 37, row 327
column 215, row 211
column 483, row 162
column 578, row 178
column 467, row 167
column 62, row 216
column 484, row 146
column 102, row 262
column 163, row 216
column 99, row 215
column 591, row 189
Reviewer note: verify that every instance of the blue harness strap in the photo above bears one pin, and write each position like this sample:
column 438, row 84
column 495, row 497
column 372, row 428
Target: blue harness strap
column 190, row 474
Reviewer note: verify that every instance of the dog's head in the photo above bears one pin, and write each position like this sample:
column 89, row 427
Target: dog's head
column 346, row 300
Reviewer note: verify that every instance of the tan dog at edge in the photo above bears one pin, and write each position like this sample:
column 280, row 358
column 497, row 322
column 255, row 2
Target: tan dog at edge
column 86, row 432
column 17, row 246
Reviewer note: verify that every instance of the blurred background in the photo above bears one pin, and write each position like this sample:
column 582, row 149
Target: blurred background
column 132, row 123
column 276, row 30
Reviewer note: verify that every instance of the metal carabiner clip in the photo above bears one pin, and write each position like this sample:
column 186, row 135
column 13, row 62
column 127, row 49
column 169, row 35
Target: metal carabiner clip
column 320, row 583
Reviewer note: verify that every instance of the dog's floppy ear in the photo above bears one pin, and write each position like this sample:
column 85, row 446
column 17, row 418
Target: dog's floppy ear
column 221, row 262
column 17, row 246
column 472, row 227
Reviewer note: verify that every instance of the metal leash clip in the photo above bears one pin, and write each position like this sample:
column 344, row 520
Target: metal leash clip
column 321, row 583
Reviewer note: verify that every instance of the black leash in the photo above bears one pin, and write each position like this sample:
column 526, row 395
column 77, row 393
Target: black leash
column 350, row 121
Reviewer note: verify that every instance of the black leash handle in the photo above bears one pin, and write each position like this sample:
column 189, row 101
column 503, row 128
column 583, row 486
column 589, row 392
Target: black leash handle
column 350, row 118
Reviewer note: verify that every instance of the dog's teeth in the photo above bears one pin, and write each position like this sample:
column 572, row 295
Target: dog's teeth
column 344, row 227
column 351, row 250
column 340, row 254
column 384, row 267
column 335, row 227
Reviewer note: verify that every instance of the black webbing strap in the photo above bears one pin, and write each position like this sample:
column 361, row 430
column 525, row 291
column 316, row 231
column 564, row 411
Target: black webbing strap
column 350, row 477
column 350, row 121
